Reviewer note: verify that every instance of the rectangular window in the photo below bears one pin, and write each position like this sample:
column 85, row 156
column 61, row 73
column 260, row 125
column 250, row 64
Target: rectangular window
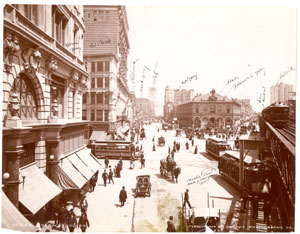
column 99, row 115
column 106, row 64
column 84, row 115
column 92, row 115
column 59, row 25
column 197, row 110
column 92, row 82
column 93, row 67
column 106, row 82
column 106, row 115
column 99, row 66
column 57, row 92
column 31, row 13
column 99, row 82
column 99, row 98
column 92, row 98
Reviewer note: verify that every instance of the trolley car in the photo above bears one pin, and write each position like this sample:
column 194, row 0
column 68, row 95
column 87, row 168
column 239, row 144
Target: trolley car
column 256, row 173
column 215, row 147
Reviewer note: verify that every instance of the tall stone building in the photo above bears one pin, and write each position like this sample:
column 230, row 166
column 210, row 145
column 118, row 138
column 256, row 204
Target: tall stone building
column 280, row 92
column 173, row 98
column 43, row 80
column 106, row 48
column 153, row 100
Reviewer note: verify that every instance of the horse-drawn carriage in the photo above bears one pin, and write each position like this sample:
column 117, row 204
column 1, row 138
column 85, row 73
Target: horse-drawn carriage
column 168, row 169
column 161, row 141
column 143, row 186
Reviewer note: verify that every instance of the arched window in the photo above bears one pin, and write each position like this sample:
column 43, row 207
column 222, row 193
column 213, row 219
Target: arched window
column 27, row 98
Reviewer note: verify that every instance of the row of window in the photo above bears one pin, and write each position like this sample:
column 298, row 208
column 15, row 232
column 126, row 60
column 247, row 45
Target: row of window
column 59, row 25
column 96, row 115
column 100, row 82
column 100, row 66
column 101, row 16
column 212, row 109
column 96, row 98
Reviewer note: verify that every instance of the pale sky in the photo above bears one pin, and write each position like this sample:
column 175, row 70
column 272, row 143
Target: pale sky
column 217, row 44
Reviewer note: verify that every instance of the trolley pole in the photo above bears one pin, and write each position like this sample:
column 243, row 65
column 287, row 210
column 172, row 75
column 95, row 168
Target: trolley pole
column 241, row 175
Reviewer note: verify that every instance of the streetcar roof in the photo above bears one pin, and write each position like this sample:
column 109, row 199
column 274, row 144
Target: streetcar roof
column 111, row 142
column 219, row 141
column 251, row 155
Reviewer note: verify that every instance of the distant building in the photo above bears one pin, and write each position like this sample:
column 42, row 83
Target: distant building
column 209, row 110
column 292, row 105
column 173, row 98
column 280, row 92
column 246, row 108
column 153, row 100
column 143, row 108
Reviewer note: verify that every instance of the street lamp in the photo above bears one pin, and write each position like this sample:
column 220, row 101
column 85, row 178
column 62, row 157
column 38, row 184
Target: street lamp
column 23, row 174
column 5, row 177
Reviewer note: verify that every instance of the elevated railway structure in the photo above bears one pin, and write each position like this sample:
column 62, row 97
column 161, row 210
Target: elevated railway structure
column 282, row 142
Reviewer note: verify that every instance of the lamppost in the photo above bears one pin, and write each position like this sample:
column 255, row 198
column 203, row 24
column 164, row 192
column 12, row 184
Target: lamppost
column 51, row 157
column 5, row 177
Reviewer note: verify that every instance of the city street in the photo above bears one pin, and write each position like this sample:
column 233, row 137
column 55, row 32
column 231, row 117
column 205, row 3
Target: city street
column 148, row 214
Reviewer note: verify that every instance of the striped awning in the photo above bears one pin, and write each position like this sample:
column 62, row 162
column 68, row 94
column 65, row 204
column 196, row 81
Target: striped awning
column 88, row 159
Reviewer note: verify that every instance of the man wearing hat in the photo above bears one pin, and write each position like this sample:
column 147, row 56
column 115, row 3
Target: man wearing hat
column 186, row 199
column 123, row 196
column 171, row 226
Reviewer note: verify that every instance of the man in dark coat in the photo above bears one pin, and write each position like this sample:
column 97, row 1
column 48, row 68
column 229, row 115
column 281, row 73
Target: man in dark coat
column 104, row 176
column 72, row 222
column 171, row 226
column 186, row 199
column 110, row 176
column 106, row 162
column 123, row 196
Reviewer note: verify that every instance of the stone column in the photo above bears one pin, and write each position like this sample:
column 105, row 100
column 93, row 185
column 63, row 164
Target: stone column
column 53, row 163
column 13, row 151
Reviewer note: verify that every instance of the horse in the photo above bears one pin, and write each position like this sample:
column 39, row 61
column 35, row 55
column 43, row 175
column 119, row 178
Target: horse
column 176, row 173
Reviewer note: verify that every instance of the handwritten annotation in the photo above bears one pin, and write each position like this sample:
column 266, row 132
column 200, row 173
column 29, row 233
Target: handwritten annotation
column 200, row 179
column 188, row 79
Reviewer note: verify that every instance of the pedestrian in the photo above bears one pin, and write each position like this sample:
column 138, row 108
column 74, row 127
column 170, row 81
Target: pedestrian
column 153, row 147
column 142, row 161
column 177, row 146
column 186, row 199
column 172, row 154
column 93, row 183
column 141, row 148
column 131, row 162
column 267, row 211
column 104, row 176
column 171, row 226
column 106, row 162
column 158, row 130
column 56, row 209
column 72, row 222
column 83, row 203
column 110, row 176
column 118, row 171
column 123, row 196
column 153, row 139
column 192, row 142
column 196, row 150
column 83, row 222
column 169, row 150
column 187, row 145
column 62, row 218
column 255, row 207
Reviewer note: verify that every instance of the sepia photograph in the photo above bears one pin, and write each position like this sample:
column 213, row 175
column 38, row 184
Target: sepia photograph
column 168, row 116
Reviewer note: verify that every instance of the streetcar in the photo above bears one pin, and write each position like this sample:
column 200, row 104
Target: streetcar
column 113, row 149
column 256, row 172
column 276, row 114
column 216, row 146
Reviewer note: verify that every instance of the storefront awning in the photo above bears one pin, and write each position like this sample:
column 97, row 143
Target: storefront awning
column 73, row 173
column 88, row 159
column 80, row 166
column 98, row 136
column 64, row 181
column 37, row 189
column 13, row 219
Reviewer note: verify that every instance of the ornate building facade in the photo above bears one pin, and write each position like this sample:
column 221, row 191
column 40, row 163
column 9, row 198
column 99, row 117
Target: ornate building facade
column 209, row 110
column 106, row 103
column 44, row 77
